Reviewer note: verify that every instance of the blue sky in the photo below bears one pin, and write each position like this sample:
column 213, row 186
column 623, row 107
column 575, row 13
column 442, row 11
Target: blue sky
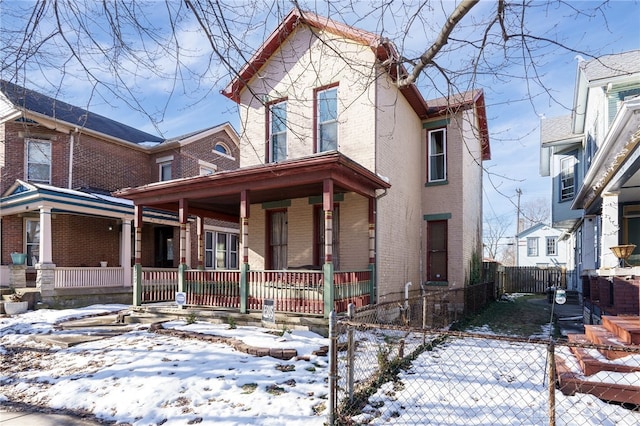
column 514, row 105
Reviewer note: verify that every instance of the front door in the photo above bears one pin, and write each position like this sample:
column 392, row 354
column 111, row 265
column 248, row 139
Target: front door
column 437, row 250
column 164, row 247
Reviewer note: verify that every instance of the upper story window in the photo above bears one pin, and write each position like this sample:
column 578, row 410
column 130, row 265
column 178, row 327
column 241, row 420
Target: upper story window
column 278, row 131
column 567, row 178
column 206, row 168
column 38, row 161
column 552, row 246
column 437, row 155
column 532, row 246
column 327, row 119
column 221, row 148
column 164, row 167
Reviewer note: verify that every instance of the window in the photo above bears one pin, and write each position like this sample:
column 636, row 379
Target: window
column 38, row 161
column 437, row 152
column 220, row 250
column 165, row 171
column 278, row 132
column 327, row 119
column 532, row 246
column 221, row 148
column 319, row 236
column 278, row 237
column 206, row 168
column 32, row 237
column 552, row 246
column 567, row 178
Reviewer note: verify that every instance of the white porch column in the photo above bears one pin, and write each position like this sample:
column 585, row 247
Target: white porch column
column 45, row 254
column 125, row 252
column 610, row 229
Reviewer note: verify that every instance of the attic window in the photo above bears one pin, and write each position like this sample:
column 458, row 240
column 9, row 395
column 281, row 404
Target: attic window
column 221, row 148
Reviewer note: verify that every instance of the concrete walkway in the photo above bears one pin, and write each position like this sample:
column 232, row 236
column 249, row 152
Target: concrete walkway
column 24, row 417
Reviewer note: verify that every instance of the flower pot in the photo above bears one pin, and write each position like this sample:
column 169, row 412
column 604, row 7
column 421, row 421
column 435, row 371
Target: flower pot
column 103, row 264
column 18, row 258
column 14, row 308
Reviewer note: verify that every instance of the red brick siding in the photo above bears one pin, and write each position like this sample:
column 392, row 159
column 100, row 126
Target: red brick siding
column 625, row 296
column 11, row 237
column 84, row 241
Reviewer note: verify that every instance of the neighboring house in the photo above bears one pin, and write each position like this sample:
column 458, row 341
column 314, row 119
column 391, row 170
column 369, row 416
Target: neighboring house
column 58, row 166
column 593, row 157
column 541, row 246
column 340, row 170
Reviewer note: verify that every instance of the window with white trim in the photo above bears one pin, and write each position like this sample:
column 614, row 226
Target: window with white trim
column 221, row 148
column 437, row 155
column 532, row 246
column 220, row 250
column 165, row 171
column 278, row 132
column 32, row 238
column 327, row 119
column 38, row 161
column 552, row 246
column 567, row 178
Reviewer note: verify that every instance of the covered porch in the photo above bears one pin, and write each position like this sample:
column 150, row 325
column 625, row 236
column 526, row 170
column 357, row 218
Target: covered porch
column 302, row 195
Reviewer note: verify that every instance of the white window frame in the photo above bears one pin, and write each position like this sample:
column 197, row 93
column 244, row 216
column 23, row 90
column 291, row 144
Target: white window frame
column 230, row 254
column 330, row 122
column 567, row 173
column 277, row 134
column 552, row 246
column 532, row 247
column 32, row 142
column 206, row 168
column 33, row 256
column 163, row 163
column 440, row 157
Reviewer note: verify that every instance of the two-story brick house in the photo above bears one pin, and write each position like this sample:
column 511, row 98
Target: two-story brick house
column 342, row 170
column 593, row 157
column 58, row 166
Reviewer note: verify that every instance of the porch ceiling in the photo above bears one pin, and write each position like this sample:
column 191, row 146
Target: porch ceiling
column 218, row 195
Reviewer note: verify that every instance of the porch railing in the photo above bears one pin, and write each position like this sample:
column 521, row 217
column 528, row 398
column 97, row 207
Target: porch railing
column 291, row 291
column 213, row 288
column 298, row 291
column 72, row 277
column 159, row 284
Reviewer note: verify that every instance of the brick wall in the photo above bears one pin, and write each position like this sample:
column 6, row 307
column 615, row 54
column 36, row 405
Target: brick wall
column 626, row 295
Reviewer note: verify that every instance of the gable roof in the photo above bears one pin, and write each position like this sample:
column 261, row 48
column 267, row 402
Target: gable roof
column 611, row 66
column 461, row 101
column 382, row 48
column 37, row 104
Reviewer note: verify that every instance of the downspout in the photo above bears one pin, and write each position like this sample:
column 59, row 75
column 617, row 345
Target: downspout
column 71, row 145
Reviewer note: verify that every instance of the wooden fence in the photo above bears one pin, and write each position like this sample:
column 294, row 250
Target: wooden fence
column 528, row 279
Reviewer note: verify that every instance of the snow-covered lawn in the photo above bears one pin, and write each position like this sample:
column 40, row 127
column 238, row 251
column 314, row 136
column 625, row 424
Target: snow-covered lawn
column 145, row 378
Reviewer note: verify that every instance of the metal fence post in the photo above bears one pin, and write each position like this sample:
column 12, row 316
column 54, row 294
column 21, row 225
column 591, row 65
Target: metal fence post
column 333, row 365
column 552, row 384
column 350, row 361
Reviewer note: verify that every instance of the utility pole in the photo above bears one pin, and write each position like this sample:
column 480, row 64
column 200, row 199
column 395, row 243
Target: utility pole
column 517, row 247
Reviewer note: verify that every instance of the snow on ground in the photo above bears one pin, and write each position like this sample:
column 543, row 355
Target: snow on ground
column 143, row 378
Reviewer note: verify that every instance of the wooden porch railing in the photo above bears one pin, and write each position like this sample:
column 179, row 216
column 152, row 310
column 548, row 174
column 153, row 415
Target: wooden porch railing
column 298, row 291
column 159, row 284
column 72, row 277
column 291, row 291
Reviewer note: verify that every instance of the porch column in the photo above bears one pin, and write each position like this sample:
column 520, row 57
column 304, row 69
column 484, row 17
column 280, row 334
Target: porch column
column 182, row 215
column 137, row 268
column 200, row 232
column 327, row 268
column 372, row 250
column 45, row 269
column 125, row 251
column 244, row 268
column 610, row 230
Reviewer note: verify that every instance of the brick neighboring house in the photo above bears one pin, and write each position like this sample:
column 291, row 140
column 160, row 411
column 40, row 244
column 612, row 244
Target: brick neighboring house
column 341, row 170
column 59, row 165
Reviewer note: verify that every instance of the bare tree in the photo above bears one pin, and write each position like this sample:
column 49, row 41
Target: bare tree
column 534, row 212
column 191, row 48
column 497, row 239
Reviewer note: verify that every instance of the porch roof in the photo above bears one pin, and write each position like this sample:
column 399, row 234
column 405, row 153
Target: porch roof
column 22, row 197
column 218, row 195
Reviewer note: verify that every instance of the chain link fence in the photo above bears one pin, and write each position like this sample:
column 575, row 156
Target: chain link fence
column 396, row 364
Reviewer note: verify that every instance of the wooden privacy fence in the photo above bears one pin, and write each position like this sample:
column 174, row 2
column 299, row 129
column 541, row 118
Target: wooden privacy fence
column 529, row 279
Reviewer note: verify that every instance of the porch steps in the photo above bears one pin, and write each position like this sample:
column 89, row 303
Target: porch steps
column 614, row 331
